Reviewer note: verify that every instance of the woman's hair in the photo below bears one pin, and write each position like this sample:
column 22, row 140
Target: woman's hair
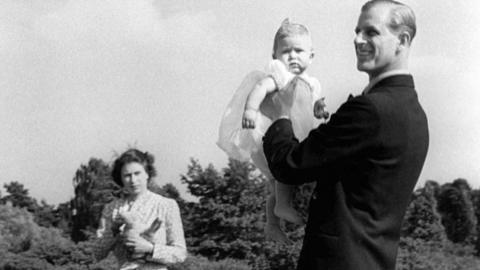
column 129, row 156
column 288, row 29
column 402, row 17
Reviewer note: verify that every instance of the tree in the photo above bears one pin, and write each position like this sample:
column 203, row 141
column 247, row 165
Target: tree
column 228, row 219
column 476, row 205
column 93, row 188
column 424, row 244
column 46, row 215
column 18, row 196
column 26, row 245
column 456, row 209
column 422, row 220
column 168, row 190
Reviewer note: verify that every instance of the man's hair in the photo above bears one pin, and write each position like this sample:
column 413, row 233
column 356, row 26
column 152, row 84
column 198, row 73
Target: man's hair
column 402, row 17
column 288, row 29
column 129, row 156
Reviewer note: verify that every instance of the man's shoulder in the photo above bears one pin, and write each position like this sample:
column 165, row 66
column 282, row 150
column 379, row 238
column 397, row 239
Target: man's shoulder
column 390, row 83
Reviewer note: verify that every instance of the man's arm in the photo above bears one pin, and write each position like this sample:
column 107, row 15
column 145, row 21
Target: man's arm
column 350, row 131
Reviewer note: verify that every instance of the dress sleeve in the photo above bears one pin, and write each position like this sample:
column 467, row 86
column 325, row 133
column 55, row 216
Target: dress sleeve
column 105, row 239
column 279, row 73
column 350, row 131
column 175, row 250
column 316, row 89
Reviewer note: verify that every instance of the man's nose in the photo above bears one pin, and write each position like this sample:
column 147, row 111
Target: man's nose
column 359, row 39
column 293, row 54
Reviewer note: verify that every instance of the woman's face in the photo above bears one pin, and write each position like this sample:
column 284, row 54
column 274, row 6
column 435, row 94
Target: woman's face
column 134, row 178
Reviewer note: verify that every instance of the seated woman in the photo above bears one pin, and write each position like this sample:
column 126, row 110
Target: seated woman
column 144, row 230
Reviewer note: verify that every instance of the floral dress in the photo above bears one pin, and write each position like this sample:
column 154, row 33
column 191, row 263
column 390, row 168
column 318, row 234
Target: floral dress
column 168, row 239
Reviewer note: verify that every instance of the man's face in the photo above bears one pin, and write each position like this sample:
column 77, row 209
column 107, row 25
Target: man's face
column 295, row 52
column 375, row 45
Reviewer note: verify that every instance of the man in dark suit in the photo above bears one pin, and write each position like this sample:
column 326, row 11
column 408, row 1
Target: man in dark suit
column 366, row 160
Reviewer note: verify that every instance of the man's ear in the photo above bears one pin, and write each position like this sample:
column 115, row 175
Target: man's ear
column 404, row 40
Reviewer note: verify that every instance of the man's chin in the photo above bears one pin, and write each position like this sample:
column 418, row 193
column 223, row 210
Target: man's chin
column 365, row 67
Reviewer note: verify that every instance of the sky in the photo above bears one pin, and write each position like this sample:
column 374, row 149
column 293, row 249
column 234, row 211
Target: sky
column 89, row 78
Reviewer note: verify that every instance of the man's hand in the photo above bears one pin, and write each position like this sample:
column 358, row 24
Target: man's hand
column 249, row 117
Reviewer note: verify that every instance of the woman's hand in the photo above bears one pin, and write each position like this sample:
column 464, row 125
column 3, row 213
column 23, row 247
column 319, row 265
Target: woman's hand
column 137, row 245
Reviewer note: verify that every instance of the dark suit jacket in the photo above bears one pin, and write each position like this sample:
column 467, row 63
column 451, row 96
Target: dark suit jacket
column 366, row 161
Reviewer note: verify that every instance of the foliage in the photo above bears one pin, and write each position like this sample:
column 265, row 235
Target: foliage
column 422, row 220
column 46, row 215
column 18, row 196
column 418, row 254
column 26, row 245
column 16, row 229
column 229, row 218
column 202, row 263
column 456, row 209
column 93, row 188
column 476, row 204
column 224, row 226
column 227, row 221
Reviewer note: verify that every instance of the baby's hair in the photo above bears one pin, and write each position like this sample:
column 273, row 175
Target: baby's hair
column 287, row 29
column 129, row 156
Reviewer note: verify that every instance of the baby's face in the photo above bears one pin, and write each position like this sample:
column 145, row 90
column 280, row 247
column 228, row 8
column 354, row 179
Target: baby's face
column 295, row 52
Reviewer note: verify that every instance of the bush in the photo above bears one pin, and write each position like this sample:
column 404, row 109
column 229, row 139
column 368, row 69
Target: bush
column 202, row 263
column 417, row 254
column 12, row 261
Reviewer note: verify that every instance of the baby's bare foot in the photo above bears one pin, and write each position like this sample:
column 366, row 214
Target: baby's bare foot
column 289, row 214
column 274, row 232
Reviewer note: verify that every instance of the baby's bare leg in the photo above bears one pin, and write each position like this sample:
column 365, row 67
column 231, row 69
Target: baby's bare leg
column 283, row 204
column 273, row 231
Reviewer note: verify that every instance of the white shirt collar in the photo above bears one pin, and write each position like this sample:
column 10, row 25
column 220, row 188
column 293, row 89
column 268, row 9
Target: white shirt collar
column 383, row 76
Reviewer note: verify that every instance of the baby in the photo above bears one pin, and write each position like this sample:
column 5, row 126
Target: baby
column 255, row 105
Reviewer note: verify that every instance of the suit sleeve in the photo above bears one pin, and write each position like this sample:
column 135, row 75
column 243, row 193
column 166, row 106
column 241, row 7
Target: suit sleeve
column 351, row 131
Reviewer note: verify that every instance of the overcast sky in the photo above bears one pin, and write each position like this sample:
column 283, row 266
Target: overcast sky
column 88, row 78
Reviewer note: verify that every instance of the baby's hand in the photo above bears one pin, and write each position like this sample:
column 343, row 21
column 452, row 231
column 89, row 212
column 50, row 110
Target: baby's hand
column 248, row 119
column 319, row 109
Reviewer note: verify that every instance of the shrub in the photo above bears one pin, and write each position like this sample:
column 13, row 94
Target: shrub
column 418, row 254
column 202, row 263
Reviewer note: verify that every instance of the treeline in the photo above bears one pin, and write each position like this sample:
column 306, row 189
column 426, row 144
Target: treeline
column 224, row 225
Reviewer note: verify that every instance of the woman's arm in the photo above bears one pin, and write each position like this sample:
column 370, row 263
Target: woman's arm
column 175, row 250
